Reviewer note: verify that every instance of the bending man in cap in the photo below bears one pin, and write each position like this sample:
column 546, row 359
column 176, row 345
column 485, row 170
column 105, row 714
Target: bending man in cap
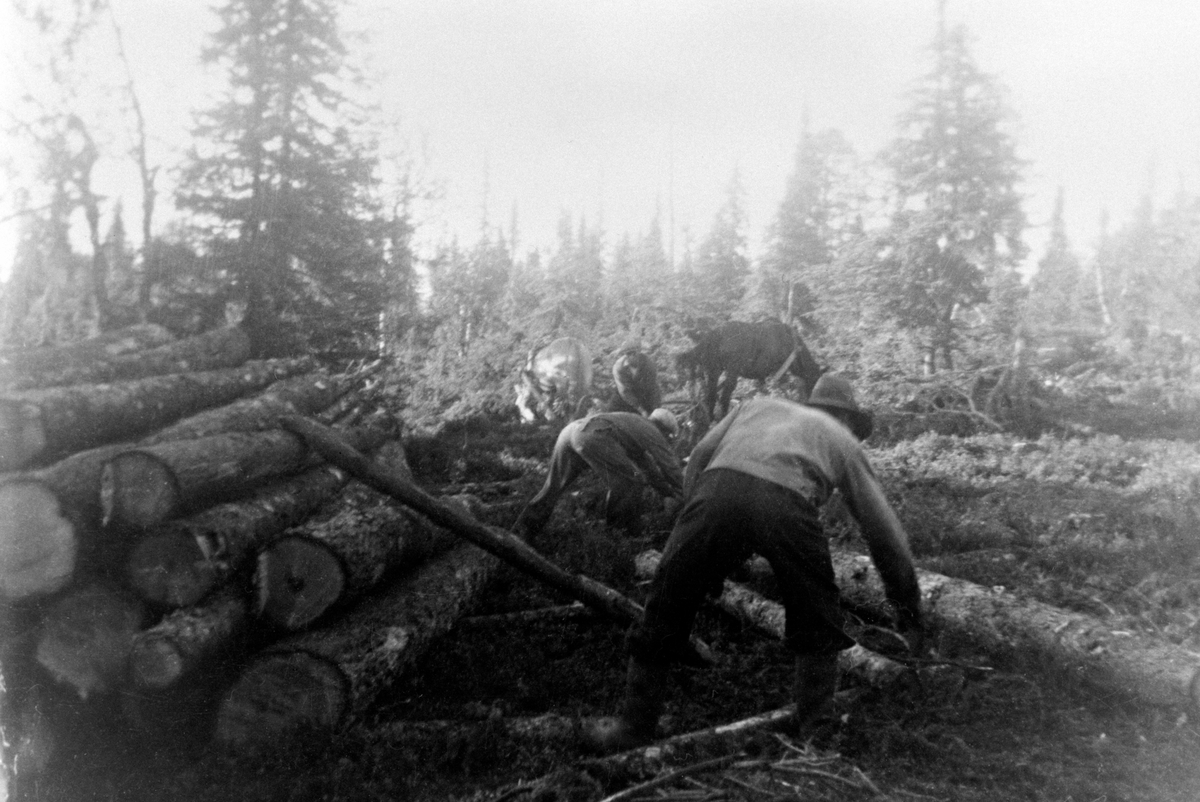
column 754, row 485
column 626, row 450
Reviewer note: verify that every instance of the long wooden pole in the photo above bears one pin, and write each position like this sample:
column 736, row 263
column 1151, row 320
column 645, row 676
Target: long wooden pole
column 503, row 544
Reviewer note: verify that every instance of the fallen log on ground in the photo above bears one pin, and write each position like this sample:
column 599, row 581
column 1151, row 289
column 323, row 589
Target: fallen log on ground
column 183, row 561
column 41, row 425
column 87, row 635
column 503, row 544
column 147, row 486
column 546, row 729
column 1031, row 634
column 322, row 678
column 575, row 611
column 185, row 640
column 76, row 363
column 770, row 618
column 341, row 554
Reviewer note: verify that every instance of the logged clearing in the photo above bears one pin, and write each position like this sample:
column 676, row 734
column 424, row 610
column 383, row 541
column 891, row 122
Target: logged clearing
column 1100, row 525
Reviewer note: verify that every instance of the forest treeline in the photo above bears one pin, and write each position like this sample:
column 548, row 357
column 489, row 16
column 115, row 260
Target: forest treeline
column 296, row 223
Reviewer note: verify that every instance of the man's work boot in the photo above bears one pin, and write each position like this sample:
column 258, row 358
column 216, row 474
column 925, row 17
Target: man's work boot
column 645, row 685
column 816, row 681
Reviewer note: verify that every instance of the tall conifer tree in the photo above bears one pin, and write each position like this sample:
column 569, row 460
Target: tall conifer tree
column 283, row 171
column 955, row 236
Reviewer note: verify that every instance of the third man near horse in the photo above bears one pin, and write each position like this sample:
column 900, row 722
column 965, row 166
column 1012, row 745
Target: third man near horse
column 627, row 450
column 636, row 378
column 754, row 484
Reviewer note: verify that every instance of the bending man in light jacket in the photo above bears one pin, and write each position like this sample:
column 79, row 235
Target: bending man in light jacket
column 754, row 484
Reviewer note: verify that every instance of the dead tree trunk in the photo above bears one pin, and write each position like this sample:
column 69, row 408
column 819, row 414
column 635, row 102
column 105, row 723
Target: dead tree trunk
column 342, row 554
column 182, row 562
column 320, row 679
column 504, row 544
column 148, row 486
column 1030, row 633
column 87, row 635
column 41, row 425
column 22, row 368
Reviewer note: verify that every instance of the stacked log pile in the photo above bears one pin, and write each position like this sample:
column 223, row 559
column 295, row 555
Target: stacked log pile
column 160, row 532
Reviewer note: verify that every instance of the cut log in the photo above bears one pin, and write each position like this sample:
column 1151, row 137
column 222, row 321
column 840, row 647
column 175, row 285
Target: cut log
column 340, row 555
column 505, row 545
column 76, row 363
column 183, row 561
column 41, row 425
column 770, row 618
column 225, row 347
column 306, row 395
column 143, row 488
column 323, row 678
column 87, row 636
column 188, row 639
column 38, row 544
column 1031, row 634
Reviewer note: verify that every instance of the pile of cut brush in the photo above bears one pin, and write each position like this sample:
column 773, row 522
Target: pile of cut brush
column 172, row 559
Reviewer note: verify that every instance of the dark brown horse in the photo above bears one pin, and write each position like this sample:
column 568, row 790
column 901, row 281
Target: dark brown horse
column 761, row 350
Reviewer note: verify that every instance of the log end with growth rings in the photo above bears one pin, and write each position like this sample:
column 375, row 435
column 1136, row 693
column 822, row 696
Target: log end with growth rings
column 280, row 693
column 297, row 580
column 87, row 637
column 172, row 570
column 38, row 544
column 137, row 491
column 155, row 663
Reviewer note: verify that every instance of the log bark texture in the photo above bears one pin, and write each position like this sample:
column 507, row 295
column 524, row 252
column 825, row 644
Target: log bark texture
column 76, row 363
column 322, row 678
column 147, row 486
column 341, row 554
column 308, row 394
column 71, row 532
column 41, row 425
column 1029, row 633
column 183, row 561
column 87, row 636
column 186, row 640
column 503, row 544
column 225, row 347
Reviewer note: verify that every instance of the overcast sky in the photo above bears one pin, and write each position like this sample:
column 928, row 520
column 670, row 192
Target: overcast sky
column 609, row 108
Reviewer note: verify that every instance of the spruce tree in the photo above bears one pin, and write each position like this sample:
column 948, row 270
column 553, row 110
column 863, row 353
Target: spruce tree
column 722, row 265
column 954, row 241
column 812, row 221
column 282, row 171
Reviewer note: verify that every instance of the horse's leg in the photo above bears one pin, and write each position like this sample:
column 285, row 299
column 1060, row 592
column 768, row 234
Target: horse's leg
column 727, row 385
column 710, row 393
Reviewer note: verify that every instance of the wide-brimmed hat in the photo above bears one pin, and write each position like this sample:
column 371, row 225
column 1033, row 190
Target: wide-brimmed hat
column 834, row 392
